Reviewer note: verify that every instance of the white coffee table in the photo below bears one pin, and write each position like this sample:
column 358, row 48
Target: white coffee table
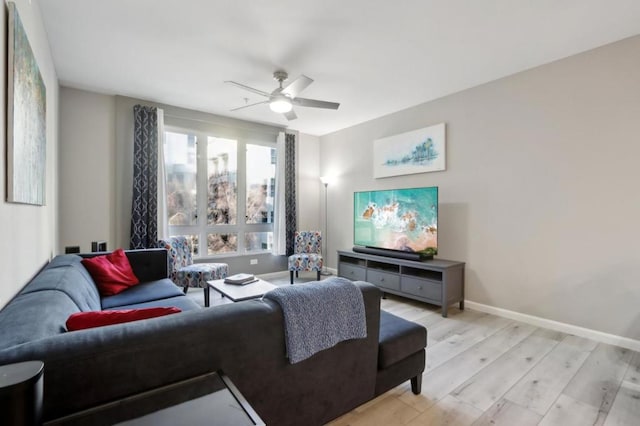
column 237, row 293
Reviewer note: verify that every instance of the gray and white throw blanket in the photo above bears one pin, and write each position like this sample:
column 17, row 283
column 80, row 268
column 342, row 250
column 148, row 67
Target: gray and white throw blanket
column 319, row 315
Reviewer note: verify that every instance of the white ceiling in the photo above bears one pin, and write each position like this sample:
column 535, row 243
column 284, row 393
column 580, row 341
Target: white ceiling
column 375, row 57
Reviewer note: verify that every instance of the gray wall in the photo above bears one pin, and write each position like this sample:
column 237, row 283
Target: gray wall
column 87, row 171
column 540, row 195
column 29, row 233
column 309, row 185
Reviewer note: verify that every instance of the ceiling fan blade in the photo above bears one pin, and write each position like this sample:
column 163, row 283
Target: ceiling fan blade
column 296, row 86
column 314, row 103
column 250, row 105
column 250, row 89
column 291, row 115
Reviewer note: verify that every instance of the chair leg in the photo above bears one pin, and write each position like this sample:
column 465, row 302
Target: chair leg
column 291, row 276
column 416, row 384
column 207, row 296
column 318, row 277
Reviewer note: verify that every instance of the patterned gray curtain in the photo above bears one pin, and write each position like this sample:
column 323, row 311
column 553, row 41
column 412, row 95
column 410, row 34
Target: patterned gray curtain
column 290, row 190
column 144, row 207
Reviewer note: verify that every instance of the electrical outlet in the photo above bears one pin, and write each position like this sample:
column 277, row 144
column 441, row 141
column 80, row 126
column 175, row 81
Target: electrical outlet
column 253, row 262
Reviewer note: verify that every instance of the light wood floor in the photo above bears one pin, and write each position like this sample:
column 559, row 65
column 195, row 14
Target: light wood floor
column 487, row 370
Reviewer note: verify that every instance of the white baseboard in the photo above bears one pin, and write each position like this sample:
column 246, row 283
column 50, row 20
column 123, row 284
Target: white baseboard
column 598, row 336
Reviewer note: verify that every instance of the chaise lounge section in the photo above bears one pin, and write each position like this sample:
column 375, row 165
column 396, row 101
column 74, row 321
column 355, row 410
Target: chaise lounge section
column 246, row 340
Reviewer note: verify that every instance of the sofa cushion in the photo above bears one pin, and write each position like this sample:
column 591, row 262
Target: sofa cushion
column 65, row 260
column 398, row 339
column 84, row 320
column 112, row 272
column 182, row 302
column 34, row 316
column 71, row 279
column 145, row 292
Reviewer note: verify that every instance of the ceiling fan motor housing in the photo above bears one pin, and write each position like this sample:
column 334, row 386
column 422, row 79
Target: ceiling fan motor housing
column 280, row 76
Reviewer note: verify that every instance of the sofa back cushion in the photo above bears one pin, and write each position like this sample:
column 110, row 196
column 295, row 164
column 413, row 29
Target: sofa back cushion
column 66, row 274
column 34, row 316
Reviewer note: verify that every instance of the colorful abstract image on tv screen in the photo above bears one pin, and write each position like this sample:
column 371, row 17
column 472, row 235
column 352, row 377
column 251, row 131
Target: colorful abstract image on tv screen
column 397, row 219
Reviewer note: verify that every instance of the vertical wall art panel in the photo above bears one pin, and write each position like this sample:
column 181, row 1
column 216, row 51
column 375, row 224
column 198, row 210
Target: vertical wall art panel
column 419, row 151
column 26, row 119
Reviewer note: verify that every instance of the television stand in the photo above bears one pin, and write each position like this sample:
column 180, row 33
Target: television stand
column 439, row 282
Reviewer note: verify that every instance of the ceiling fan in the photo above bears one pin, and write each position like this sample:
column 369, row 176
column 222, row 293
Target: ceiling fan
column 282, row 99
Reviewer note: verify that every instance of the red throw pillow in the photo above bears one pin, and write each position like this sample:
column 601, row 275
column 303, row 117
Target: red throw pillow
column 111, row 272
column 82, row 320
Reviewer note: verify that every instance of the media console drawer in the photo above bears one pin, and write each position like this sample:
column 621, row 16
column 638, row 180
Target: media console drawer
column 354, row 273
column 422, row 288
column 383, row 279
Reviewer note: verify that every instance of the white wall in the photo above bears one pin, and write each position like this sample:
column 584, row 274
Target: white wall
column 29, row 237
column 540, row 195
column 87, row 169
column 309, row 185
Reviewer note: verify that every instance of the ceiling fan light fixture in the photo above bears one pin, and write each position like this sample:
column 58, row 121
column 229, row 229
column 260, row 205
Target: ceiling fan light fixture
column 280, row 104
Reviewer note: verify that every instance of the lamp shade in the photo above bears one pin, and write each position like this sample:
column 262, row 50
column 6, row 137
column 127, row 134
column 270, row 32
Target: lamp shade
column 280, row 103
column 326, row 179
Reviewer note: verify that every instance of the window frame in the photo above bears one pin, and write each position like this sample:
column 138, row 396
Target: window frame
column 240, row 228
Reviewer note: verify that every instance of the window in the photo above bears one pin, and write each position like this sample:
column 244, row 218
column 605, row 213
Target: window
column 223, row 208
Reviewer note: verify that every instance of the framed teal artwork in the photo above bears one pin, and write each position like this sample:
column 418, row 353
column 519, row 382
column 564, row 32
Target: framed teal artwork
column 418, row 151
column 26, row 118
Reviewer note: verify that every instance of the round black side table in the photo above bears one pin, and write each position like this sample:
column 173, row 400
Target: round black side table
column 21, row 393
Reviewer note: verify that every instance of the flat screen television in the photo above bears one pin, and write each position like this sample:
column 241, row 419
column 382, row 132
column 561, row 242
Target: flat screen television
column 398, row 220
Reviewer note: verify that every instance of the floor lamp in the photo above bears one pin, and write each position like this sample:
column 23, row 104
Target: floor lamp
column 325, row 181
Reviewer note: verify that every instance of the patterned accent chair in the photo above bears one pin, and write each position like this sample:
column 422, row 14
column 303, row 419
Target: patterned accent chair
column 308, row 253
column 184, row 273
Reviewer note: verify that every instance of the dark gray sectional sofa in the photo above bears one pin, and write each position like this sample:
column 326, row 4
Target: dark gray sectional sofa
column 84, row 369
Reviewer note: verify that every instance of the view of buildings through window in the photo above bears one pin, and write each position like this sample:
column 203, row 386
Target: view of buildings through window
column 203, row 180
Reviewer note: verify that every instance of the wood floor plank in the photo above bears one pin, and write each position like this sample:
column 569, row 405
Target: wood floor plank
column 386, row 412
column 489, row 385
column 430, row 320
column 567, row 411
column 599, row 378
column 507, row 413
column 440, row 381
column 449, row 411
column 402, row 307
column 625, row 409
column 538, row 390
column 465, row 337
column 633, row 373
column 451, row 325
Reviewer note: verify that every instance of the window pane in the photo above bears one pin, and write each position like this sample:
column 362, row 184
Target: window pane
column 261, row 173
column 180, row 165
column 254, row 241
column 222, row 164
column 222, row 243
